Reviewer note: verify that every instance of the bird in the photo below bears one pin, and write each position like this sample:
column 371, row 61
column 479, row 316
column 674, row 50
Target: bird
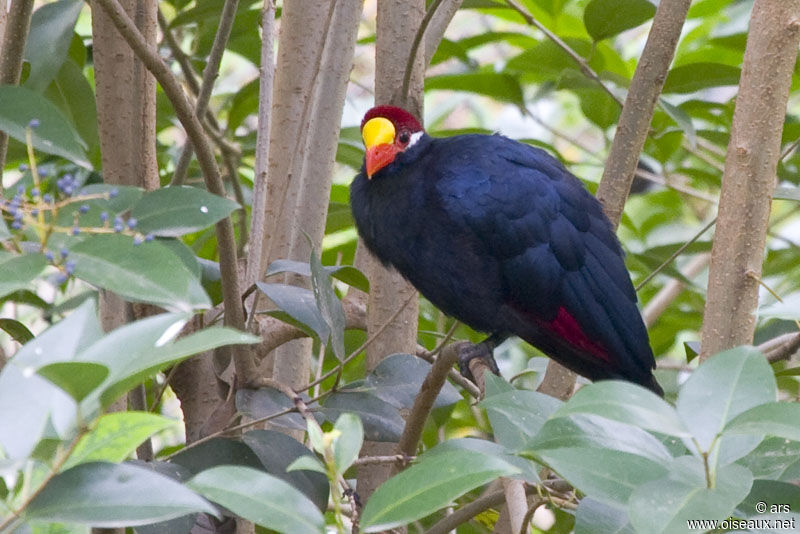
column 502, row 237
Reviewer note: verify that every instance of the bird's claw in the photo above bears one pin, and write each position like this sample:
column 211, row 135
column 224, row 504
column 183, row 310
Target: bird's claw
column 470, row 351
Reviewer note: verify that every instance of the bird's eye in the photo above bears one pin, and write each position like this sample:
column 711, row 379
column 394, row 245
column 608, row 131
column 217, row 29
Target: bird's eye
column 404, row 137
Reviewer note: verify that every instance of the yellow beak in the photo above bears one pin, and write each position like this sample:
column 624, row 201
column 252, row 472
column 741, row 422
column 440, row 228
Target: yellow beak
column 378, row 135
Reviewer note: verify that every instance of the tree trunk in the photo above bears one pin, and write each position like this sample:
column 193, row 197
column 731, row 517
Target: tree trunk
column 126, row 98
column 749, row 178
column 396, row 26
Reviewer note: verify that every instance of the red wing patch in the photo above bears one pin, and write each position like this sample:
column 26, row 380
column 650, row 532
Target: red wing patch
column 566, row 327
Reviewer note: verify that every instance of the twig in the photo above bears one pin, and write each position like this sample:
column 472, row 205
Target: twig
column 467, row 512
column 209, row 76
column 231, row 294
column 258, row 227
column 392, row 459
column 437, row 26
column 640, row 102
column 667, row 294
column 363, row 346
column 423, row 402
column 584, row 66
column 412, row 55
column 675, row 254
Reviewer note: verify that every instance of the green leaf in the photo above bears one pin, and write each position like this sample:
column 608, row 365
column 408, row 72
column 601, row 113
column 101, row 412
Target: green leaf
column 591, row 431
column 781, row 419
column 608, row 475
column 681, row 118
column 48, row 41
column 149, row 272
column 517, row 415
column 381, row 420
column 724, row 386
column 626, row 403
column 666, row 504
column 593, row 516
column 27, row 400
column 328, row 304
column 345, row 273
column 115, row 436
column 264, row 402
column 18, row 331
column 500, row 86
column 429, row 485
column 774, row 458
column 347, row 445
column 180, row 210
column 398, row 378
column 685, row 79
column 259, row 497
column 606, row 18
column 54, row 135
column 4, row 232
column 76, row 378
column 131, row 367
column 17, row 272
column 300, row 305
column 113, row 495
column 307, row 463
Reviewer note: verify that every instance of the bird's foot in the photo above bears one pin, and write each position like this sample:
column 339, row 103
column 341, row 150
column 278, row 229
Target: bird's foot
column 468, row 352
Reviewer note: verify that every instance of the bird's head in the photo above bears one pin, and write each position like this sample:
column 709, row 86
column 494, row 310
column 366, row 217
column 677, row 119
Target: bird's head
column 388, row 131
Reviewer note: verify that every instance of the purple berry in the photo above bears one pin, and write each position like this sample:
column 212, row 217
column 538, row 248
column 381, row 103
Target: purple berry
column 64, row 252
column 103, row 217
column 132, row 223
column 69, row 267
column 76, row 230
column 137, row 240
column 16, row 225
column 149, row 237
column 84, row 208
column 113, row 193
column 49, row 256
column 33, row 123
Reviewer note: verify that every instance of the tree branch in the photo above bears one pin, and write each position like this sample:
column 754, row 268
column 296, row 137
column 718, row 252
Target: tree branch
column 12, row 49
column 749, row 178
column 258, row 227
column 637, row 111
column 234, row 311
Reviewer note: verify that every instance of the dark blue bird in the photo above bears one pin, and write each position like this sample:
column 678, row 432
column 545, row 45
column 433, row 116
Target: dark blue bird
column 499, row 235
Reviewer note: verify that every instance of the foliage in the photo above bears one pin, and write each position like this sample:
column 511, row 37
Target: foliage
column 723, row 443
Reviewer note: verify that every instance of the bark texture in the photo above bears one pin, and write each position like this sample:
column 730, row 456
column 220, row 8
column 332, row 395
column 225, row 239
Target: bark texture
column 126, row 98
column 749, row 178
column 637, row 111
column 397, row 25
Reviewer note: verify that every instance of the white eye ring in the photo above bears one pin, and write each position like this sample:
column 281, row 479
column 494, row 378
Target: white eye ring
column 413, row 139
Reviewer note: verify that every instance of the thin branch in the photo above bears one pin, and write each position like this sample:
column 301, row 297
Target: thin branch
column 12, row 49
column 667, row 294
column 675, row 254
column 373, row 336
column 423, row 402
column 637, row 111
column 467, row 512
column 234, row 311
column 584, row 66
column 781, row 348
column 392, row 459
column 412, row 55
column 258, row 227
column 437, row 26
column 210, row 74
